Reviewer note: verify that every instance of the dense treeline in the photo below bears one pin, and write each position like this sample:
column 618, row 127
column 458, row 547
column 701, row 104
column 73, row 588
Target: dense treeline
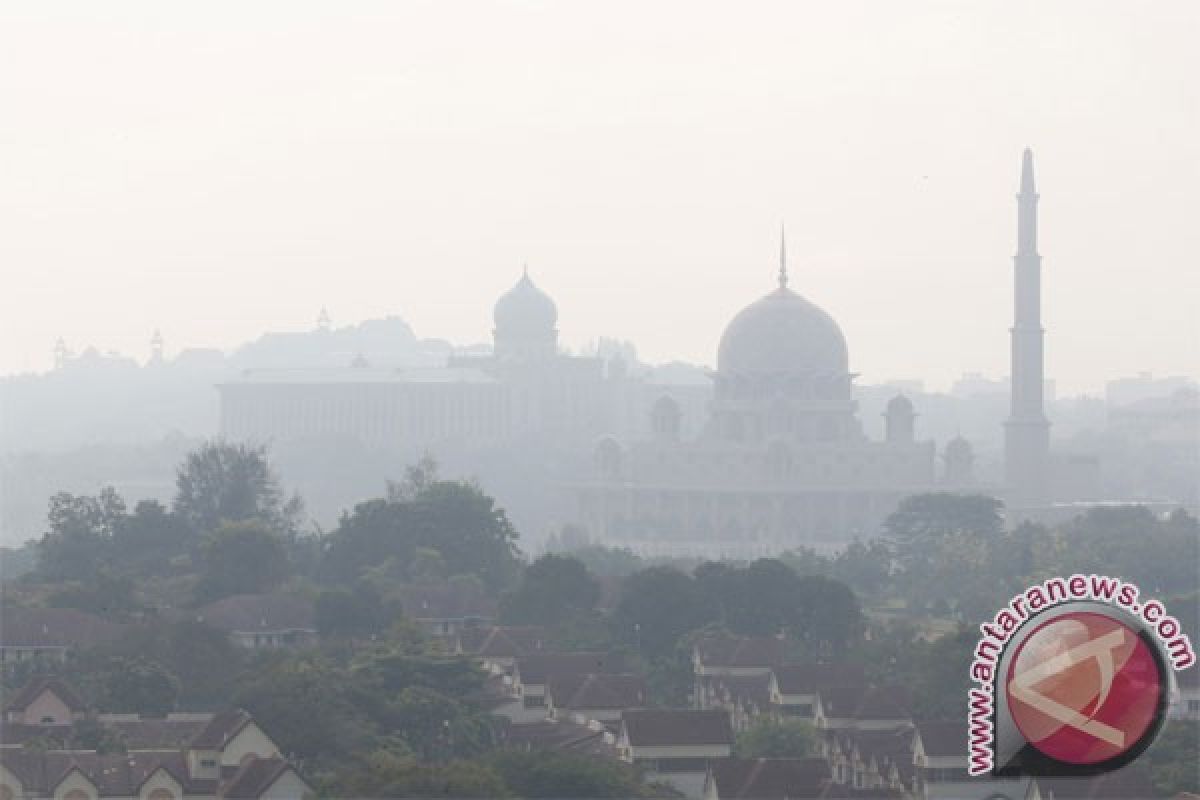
column 381, row 709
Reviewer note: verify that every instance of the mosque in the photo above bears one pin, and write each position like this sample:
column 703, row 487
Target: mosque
column 766, row 451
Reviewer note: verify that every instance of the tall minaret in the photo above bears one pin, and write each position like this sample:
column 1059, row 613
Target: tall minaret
column 1027, row 431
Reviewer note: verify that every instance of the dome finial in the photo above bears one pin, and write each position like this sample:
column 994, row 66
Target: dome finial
column 783, row 276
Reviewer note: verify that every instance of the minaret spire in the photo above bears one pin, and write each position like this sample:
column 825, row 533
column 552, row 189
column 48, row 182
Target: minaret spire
column 783, row 276
column 1027, row 431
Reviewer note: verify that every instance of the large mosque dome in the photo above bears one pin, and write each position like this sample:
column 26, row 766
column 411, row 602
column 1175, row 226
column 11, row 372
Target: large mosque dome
column 782, row 332
column 525, row 310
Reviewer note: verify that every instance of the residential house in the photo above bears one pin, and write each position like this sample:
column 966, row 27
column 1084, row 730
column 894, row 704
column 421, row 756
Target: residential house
column 447, row 608
column 583, row 697
column 46, row 634
column 940, row 759
column 45, row 700
column 745, row 697
column 724, row 656
column 767, row 779
column 872, row 759
column 263, row 621
column 793, row 687
column 675, row 746
column 213, row 756
column 878, row 708
column 498, row 647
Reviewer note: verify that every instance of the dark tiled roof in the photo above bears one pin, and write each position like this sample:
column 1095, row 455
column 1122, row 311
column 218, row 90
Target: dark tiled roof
column 538, row 669
column 18, row 733
column 114, row 774
column 754, row 689
column 157, row 733
column 54, row 627
column 1128, row 783
column 598, row 691
column 809, row 678
column 741, row 651
column 259, row 612
column 856, row 702
column 677, row 727
column 220, row 729
column 502, row 642
column 32, row 690
column 943, row 738
column 254, row 777
column 445, row 601
column 770, row 778
column 557, row 735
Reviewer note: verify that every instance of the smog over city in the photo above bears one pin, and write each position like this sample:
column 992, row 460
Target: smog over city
column 579, row 400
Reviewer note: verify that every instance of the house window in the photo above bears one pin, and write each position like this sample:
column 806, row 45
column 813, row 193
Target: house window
column 535, row 701
column 76, row 794
column 208, row 763
column 161, row 794
column 1194, row 706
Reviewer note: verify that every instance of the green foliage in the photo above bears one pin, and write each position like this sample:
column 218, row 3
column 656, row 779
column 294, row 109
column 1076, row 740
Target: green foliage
column 776, row 738
column 926, row 517
column 1174, row 766
column 89, row 734
column 615, row 562
column 241, row 558
column 221, row 482
column 104, row 594
column 451, row 523
column 385, row 774
column 350, row 612
column 128, row 685
column 553, row 590
column 80, row 533
column 657, row 606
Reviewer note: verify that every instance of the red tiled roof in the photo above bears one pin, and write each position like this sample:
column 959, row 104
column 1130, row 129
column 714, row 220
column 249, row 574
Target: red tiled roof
column 538, row 669
column 54, row 627
column 32, row 690
column 259, row 612
column 598, row 691
column 808, row 678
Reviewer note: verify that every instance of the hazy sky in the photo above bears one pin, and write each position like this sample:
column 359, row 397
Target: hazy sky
column 220, row 169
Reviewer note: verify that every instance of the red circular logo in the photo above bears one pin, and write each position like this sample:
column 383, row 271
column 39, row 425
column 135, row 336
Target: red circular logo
column 1084, row 688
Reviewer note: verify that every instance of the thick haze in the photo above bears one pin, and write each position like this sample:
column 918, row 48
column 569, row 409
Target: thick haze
column 220, row 169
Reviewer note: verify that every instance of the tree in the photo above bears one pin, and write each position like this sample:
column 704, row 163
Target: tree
column 1172, row 759
column 147, row 541
column 657, row 606
column 450, row 524
column 350, row 612
column 202, row 658
column 223, row 482
column 241, row 558
column 923, row 517
column 387, row 775
column 553, row 590
column 104, row 594
column 80, row 534
column 828, row 618
column 776, row 738
column 137, row 685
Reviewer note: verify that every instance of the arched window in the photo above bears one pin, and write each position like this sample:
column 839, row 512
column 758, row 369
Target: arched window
column 76, row 794
column 161, row 794
column 608, row 457
column 665, row 417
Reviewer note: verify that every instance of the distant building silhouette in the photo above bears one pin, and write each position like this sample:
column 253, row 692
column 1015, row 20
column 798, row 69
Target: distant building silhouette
column 1027, row 431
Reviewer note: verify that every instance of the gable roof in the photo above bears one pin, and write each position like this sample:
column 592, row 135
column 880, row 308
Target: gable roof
column 809, row 678
column 445, row 601
column 32, row 690
column 551, row 734
column 862, row 703
column 113, row 774
column 740, row 651
column 54, row 627
column 539, row 668
column 943, row 738
column 656, row 727
column 770, row 778
column 597, row 690
column 223, row 726
column 245, row 613
column 255, row 777
column 502, row 641
column 754, row 689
